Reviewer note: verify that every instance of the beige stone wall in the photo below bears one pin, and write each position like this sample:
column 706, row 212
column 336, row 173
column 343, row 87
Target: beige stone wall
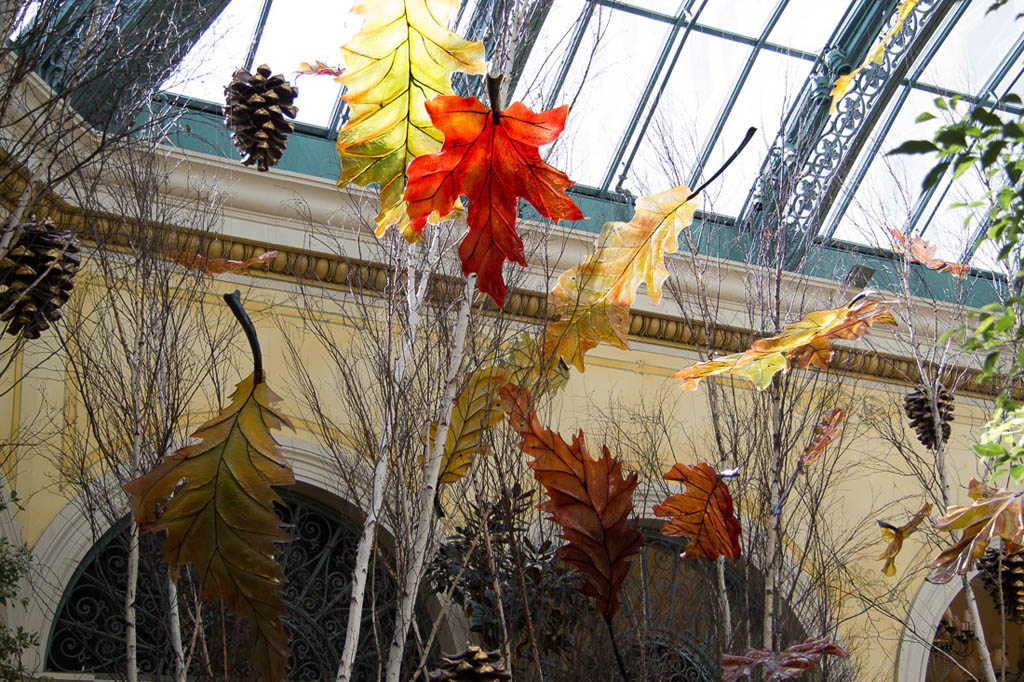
column 874, row 488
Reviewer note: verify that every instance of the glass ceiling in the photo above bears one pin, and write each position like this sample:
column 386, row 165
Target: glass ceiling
column 662, row 91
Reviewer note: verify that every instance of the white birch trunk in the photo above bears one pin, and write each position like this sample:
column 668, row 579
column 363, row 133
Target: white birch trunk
column 131, row 642
column 972, row 604
column 432, row 470
column 979, row 635
column 174, row 624
column 360, row 573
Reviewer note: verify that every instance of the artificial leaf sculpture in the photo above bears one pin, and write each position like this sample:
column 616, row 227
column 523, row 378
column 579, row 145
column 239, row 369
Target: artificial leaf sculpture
column 920, row 251
column 476, row 410
column 318, row 68
column 896, row 535
column 216, row 501
column 592, row 300
column 783, row 665
column 588, row 498
column 759, row 372
column 703, row 513
column 491, row 157
column 404, row 56
column 995, row 513
column 824, row 433
column 220, row 266
column 875, row 56
column 532, row 368
column 806, row 343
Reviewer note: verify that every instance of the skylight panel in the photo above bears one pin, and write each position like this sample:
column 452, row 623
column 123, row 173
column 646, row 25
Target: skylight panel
column 944, row 223
column 610, row 79
column 746, row 17
column 697, row 90
column 222, row 48
column 986, row 258
column 808, row 24
column 769, row 92
column 973, row 49
column 550, row 51
column 304, row 31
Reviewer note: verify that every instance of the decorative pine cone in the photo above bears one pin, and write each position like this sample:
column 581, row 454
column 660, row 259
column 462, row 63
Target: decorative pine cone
column 254, row 112
column 472, row 665
column 37, row 275
column 1013, row 581
column 919, row 412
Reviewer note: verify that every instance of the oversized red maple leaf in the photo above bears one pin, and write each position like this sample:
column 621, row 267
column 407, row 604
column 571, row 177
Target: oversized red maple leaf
column 589, row 498
column 703, row 513
column 492, row 158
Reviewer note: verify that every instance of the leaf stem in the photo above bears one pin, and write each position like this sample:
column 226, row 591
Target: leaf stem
column 615, row 648
column 494, row 95
column 728, row 162
column 234, row 302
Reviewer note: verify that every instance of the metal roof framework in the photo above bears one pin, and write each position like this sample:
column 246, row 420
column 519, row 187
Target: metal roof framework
column 817, row 162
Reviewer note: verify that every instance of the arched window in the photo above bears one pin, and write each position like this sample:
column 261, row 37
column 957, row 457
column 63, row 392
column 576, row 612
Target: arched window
column 88, row 633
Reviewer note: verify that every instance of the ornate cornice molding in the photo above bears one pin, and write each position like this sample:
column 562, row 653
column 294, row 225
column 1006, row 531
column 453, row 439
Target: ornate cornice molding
column 336, row 272
column 307, row 267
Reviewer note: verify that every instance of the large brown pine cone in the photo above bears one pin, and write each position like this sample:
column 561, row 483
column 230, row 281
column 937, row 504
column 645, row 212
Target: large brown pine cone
column 472, row 665
column 256, row 105
column 919, row 411
column 1012, row 581
column 37, row 275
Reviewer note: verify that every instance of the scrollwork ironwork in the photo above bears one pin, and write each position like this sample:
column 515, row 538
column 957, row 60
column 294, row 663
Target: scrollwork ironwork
column 800, row 179
column 88, row 633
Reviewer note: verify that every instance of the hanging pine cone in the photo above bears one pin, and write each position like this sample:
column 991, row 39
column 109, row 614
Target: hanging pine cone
column 37, row 275
column 1012, row 583
column 255, row 110
column 919, row 411
column 472, row 665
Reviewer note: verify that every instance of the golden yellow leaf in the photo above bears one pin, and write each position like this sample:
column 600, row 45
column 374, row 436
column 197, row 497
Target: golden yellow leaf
column 875, row 56
column 896, row 535
column 809, row 341
column 592, row 300
column 216, row 500
column 806, row 342
column 477, row 409
column 995, row 513
column 404, row 56
column 758, row 370
column 841, row 87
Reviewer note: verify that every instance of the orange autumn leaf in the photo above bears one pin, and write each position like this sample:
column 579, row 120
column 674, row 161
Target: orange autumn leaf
column 824, row 433
column 220, row 266
column 920, row 251
column 318, row 68
column 995, row 513
column 493, row 158
column 896, row 535
column 703, row 513
column 589, row 498
column 592, row 300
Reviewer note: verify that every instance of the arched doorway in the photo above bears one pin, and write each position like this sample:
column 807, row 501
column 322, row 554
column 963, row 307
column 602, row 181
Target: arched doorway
column 954, row 655
column 87, row 634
